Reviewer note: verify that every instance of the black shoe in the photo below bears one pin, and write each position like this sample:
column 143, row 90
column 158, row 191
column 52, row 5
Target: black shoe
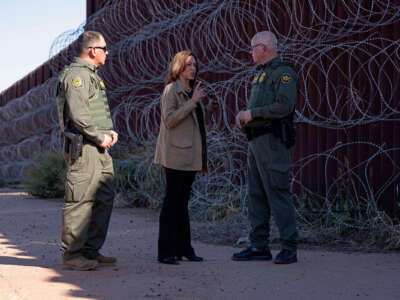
column 168, row 260
column 192, row 257
column 286, row 257
column 253, row 253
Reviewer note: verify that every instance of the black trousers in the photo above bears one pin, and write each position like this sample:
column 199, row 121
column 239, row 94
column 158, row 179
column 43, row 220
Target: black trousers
column 174, row 233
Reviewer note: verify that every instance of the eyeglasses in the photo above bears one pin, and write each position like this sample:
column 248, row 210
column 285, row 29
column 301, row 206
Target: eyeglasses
column 102, row 48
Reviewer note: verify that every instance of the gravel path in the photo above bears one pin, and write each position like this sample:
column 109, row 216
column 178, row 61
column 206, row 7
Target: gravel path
column 30, row 265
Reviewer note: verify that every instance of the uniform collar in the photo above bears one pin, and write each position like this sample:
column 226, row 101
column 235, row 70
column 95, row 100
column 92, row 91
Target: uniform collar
column 272, row 61
column 84, row 63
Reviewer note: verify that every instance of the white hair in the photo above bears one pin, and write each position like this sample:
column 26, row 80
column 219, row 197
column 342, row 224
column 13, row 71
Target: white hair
column 266, row 38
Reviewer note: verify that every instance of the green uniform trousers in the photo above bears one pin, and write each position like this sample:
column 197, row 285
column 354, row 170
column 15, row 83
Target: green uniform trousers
column 89, row 197
column 269, row 163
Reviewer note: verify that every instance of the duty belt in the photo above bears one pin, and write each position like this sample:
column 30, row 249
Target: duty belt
column 252, row 133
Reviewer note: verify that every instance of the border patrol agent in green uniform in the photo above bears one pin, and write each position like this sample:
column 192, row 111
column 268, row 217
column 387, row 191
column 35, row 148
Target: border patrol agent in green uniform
column 87, row 126
column 268, row 123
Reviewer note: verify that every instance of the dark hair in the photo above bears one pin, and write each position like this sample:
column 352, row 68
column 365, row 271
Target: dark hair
column 177, row 66
column 86, row 39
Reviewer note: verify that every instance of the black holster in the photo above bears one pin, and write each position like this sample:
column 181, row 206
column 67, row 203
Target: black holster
column 73, row 144
column 285, row 130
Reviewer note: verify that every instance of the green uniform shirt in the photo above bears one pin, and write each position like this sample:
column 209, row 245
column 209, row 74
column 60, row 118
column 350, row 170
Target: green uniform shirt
column 273, row 92
column 81, row 98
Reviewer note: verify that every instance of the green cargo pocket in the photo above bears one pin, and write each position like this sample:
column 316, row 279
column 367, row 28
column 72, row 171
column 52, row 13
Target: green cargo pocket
column 279, row 176
column 76, row 188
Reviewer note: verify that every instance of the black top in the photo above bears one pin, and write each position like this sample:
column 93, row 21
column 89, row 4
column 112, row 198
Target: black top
column 200, row 119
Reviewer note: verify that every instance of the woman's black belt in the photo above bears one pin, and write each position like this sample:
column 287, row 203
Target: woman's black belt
column 252, row 133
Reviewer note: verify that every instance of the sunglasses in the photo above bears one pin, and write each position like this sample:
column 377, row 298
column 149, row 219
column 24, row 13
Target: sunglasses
column 102, row 48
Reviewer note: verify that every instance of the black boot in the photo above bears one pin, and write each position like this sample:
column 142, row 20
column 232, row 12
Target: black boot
column 253, row 253
column 286, row 256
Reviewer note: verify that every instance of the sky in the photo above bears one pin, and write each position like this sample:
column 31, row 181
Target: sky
column 28, row 29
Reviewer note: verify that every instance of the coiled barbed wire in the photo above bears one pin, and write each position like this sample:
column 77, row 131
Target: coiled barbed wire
column 347, row 66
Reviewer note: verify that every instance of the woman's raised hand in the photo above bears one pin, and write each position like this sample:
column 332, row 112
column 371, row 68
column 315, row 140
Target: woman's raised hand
column 198, row 93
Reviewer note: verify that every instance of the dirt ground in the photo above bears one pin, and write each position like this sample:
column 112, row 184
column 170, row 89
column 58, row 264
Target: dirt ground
column 30, row 264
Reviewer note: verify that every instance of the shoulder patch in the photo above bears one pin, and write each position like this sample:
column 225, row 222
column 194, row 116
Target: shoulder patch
column 261, row 77
column 77, row 82
column 286, row 78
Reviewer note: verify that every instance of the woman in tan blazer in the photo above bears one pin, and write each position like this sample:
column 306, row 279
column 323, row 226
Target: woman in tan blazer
column 181, row 149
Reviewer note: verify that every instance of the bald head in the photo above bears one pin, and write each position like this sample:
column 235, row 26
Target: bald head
column 266, row 38
column 264, row 47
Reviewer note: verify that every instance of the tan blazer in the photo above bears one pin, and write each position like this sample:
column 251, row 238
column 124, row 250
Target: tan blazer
column 179, row 141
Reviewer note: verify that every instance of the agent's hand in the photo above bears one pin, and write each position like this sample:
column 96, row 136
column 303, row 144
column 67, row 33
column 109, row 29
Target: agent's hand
column 198, row 93
column 107, row 141
column 114, row 137
column 242, row 118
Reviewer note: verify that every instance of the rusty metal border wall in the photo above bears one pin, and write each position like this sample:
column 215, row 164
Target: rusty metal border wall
column 311, row 139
